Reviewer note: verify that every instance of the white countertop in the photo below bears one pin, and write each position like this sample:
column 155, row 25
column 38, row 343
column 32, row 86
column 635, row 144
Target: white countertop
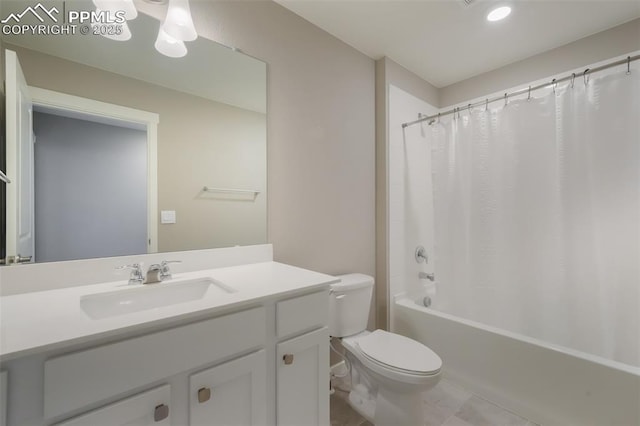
column 36, row 322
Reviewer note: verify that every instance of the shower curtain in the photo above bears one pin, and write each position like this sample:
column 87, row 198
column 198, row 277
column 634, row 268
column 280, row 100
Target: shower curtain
column 537, row 215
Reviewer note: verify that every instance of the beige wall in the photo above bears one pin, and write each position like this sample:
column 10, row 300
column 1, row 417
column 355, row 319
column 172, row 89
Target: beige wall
column 607, row 44
column 200, row 142
column 321, row 141
column 381, row 294
column 404, row 79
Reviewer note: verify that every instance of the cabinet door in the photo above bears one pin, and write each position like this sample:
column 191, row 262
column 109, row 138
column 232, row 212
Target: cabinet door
column 303, row 380
column 233, row 393
column 149, row 408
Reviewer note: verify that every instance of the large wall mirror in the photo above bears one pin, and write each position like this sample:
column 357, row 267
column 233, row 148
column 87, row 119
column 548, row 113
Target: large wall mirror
column 132, row 151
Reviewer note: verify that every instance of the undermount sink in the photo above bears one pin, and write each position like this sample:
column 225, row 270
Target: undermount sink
column 151, row 296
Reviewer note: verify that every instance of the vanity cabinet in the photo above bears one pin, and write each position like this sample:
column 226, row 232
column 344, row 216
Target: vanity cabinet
column 78, row 379
column 230, row 394
column 263, row 363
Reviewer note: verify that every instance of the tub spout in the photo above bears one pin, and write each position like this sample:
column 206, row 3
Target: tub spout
column 425, row 275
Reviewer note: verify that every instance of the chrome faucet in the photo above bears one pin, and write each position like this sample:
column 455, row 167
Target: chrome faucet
column 165, row 272
column 159, row 272
column 136, row 276
column 425, row 275
column 154, row 274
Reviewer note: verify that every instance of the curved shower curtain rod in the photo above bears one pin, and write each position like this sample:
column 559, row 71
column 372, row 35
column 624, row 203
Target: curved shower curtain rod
column 528, row 90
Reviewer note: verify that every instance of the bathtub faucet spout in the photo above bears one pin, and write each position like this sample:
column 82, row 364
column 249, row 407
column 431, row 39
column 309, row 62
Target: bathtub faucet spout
column 425, row 275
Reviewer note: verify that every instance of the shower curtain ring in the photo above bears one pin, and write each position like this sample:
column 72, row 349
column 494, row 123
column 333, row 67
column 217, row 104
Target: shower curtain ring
column 486, row 105
column 628, row 65
column 573, row 79
column 529, row 95
column 585, row 76
column 438, row 118
column 505, row 99
column 555, row 84
column 469, row 108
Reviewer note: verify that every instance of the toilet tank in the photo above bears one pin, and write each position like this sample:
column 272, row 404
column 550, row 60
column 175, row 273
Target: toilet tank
column 349, row 304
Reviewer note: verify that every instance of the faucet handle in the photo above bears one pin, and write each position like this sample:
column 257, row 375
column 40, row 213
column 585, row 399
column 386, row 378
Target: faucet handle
column 136, row 277
column 421, row 255
column 165, row 272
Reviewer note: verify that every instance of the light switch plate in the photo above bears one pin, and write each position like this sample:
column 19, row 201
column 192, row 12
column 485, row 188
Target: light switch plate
column 167, row 216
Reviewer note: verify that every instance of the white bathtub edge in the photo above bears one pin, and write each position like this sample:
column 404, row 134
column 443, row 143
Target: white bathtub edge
column 546, row 385
column 551, row 346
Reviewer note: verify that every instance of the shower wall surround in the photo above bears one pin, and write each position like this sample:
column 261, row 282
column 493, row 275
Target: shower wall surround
column 411, row 217
column 390, row 74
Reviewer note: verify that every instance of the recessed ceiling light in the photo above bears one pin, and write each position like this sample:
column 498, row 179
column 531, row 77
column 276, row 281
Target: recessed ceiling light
column 499, row 13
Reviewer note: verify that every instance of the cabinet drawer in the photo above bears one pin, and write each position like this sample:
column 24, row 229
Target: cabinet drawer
column 147, row 408
column 302, row 313
column 78, row 379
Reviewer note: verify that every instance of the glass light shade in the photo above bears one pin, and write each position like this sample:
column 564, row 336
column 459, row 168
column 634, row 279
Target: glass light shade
column 499, row 13
column 130, row 11
column 178, row 22
column 169, row 46
column 104, row 29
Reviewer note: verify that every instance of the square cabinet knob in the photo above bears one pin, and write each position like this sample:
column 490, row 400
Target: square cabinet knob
column 288, row 359
column 204, row 394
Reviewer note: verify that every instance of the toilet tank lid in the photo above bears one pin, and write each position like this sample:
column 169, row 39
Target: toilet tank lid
column 352, row 282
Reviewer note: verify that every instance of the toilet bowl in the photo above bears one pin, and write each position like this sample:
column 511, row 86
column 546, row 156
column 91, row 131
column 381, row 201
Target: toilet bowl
column 388, row 372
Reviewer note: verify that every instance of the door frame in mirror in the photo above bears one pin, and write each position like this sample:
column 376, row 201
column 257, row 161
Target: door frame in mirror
column 108, row 113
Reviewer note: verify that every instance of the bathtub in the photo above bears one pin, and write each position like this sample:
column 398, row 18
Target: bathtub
column 548, row 384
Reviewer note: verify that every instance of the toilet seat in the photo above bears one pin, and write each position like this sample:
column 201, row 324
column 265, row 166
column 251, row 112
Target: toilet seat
column 399, row 354
column 394, row 357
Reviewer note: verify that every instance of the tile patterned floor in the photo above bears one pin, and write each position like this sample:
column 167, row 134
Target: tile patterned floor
column 447, row 404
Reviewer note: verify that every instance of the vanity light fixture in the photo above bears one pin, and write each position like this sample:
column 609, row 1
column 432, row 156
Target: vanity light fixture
column 178, row 22
column 498, row 13
column 176, row 28
column 169, row 46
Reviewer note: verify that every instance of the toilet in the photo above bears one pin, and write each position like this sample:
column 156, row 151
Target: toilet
column 388, row 372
